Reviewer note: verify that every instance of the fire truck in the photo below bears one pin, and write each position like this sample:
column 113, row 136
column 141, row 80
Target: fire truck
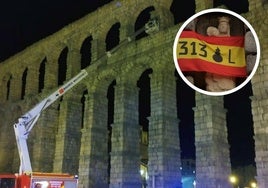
column 26, row 178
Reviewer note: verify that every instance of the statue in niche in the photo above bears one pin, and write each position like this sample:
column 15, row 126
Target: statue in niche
column 215, row 82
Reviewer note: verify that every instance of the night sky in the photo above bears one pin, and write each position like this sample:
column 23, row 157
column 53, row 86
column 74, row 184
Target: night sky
column 25, row 22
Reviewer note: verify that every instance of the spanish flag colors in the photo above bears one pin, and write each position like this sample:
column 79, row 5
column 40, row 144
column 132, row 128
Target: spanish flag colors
column 220, row 55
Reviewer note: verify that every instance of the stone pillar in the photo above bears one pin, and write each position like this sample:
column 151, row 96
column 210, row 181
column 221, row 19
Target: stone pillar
column 15, row 87
column 98, row 48
column 73, row 59
column 32, row 81
column 8, row 149
column 260, row 115
column 212, row 150
column 203, row 4
column 164, row 144
column 42, row 140
column 125, row 155
column 93, row 164
column 4, row 87
column 260, row 92
column 68, row 136
column 51, row 74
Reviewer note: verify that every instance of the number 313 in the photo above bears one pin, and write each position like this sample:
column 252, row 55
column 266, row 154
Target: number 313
column 186, row 49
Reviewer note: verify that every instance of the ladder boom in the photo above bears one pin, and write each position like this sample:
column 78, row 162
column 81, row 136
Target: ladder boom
column 27, row 121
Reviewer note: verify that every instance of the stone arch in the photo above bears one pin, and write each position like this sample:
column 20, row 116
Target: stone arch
column 24, row 82
column 62, row 66
column 41, row 77
column 8, row 87
column 141, row 20
column 86, row 52
column 113, row 36
column 100, row 35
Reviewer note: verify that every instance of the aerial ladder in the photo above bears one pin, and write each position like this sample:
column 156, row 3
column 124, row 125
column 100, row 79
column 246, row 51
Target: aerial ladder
column 26, row 178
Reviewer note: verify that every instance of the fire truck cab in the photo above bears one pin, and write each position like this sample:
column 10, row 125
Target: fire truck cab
column 38, row 180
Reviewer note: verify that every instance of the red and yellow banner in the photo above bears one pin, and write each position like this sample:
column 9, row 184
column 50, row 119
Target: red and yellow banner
column 220, row 55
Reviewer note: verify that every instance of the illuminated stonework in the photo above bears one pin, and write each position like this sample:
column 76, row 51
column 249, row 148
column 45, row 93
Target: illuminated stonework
column 72, row 136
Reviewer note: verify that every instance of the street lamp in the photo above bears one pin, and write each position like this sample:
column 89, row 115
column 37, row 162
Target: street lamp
column 194, row 184
column 253, row 184
column 233, row 180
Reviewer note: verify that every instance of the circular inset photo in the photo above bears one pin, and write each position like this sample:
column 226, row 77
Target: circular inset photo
column 216, row 52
